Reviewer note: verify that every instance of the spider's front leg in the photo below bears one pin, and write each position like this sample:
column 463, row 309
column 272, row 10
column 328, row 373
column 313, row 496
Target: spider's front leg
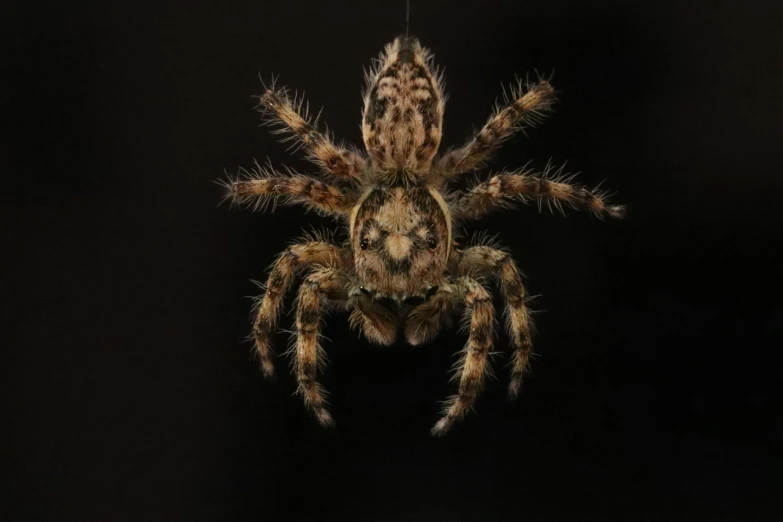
column 495, row 264
column 521, row 110
column 282, row 275
column 323, row 284
column 289, row 115
column 474, row 365
column 502, row 189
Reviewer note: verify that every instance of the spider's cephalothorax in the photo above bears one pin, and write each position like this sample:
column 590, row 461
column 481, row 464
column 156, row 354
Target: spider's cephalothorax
column 401, row 265
column 400, row 236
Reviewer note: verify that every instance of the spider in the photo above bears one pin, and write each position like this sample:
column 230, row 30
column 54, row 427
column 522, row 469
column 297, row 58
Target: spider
column 401, row 269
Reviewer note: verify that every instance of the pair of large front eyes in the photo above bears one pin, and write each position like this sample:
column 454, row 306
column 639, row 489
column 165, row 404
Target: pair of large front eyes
column 432, row 243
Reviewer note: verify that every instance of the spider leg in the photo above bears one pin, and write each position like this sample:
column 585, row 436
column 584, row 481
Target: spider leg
column 502, row 189
column 293, row 120
column 474, row 365
column 485, row 261
column 263, row 186
column 279, row 281
column 322, row 284
column 521, row 111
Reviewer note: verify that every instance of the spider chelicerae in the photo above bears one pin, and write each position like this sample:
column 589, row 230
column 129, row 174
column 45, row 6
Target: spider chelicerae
column 401, row 268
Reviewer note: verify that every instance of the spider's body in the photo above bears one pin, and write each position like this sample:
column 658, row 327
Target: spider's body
column 401, row 266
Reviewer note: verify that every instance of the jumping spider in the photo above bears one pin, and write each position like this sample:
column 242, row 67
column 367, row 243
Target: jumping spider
column 401, row 264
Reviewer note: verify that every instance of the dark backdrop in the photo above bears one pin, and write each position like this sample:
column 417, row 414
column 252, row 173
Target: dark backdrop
column 128, row 393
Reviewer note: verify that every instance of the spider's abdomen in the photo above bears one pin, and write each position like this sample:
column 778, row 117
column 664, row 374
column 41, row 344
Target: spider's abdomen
column 403, row 109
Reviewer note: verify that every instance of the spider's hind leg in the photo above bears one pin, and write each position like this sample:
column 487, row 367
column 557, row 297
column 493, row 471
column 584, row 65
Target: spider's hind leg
column 292, row 119
column 525, row 106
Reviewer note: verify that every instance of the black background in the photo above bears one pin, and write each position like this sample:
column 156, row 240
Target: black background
column 129, row 395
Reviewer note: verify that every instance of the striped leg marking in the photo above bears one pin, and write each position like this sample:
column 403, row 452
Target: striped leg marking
column 496, row 264
column 323, row 284
column 278, row 283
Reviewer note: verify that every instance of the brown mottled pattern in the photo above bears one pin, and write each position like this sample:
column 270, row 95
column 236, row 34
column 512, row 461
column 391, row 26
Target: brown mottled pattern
column 403, row 110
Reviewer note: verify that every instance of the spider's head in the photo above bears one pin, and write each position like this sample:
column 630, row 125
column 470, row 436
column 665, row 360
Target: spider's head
column 400, row 238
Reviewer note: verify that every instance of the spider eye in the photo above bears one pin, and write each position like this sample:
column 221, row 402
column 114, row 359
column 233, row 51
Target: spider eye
column 432, row 242
column 364, row 244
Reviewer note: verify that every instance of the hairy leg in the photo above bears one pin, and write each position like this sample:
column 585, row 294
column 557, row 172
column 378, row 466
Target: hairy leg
column 293, row 120
column 473, row 367
column 279, row 281
column 263, row 186
column 321, row 285
column 485, row 261
column 521, row 110
column 501, row 190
